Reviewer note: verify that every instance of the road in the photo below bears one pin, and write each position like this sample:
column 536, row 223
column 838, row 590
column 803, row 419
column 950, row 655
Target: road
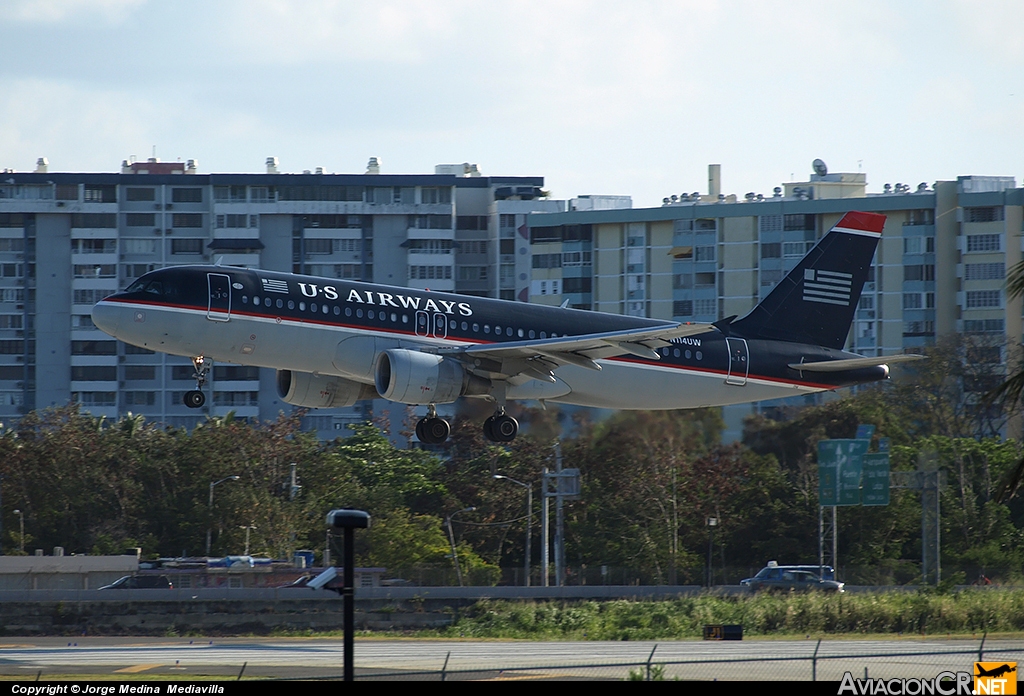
column 311, row 658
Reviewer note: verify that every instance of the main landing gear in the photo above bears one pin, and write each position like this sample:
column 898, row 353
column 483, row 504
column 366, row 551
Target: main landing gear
column 432, row 430
column 501, row 427
column 196, row 398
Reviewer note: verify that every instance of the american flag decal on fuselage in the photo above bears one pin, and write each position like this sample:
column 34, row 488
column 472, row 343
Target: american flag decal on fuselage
column 828, row 287
column 275, row 286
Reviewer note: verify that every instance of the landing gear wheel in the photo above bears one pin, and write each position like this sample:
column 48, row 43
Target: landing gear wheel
column 194, row 399
column 501, row 428
column 432, row 431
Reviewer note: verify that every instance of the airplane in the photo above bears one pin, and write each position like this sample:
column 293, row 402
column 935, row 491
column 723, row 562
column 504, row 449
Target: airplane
column 334, row 342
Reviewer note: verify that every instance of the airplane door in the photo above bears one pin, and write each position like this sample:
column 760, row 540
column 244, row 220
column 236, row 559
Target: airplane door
column 739, row 362
column 422, row 324
column 440, row 326
column 220, row 297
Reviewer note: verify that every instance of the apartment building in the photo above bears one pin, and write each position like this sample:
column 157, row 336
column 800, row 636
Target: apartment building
column 940, row 266
column 69, row 239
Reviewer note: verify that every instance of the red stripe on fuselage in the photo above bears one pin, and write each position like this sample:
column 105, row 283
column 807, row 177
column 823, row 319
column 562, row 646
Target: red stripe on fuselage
column 622, row 359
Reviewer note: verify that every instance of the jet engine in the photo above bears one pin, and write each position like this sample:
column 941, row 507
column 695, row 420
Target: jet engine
column 320, row 391
column 412, row 377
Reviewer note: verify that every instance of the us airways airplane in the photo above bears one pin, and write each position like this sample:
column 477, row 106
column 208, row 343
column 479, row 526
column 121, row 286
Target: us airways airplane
column 334, row 342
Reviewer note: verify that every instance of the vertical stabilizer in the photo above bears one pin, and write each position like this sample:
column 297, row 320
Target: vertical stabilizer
column 816, row 301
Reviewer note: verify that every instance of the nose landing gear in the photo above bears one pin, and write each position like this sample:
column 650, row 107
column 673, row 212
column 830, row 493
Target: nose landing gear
column 196, row 398
column 432, row 430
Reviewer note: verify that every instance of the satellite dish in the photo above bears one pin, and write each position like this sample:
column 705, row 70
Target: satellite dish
column 819, row 167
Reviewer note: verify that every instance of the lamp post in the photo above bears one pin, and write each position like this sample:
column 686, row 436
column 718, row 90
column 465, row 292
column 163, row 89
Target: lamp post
column 451, row 539
column 209, row 527
column 21, row 537
column 247, row 527
column 712, row 523
column 529, row 520
column 349, row 520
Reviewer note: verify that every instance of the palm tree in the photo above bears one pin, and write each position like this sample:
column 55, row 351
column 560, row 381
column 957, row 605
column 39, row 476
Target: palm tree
column 1008, row 394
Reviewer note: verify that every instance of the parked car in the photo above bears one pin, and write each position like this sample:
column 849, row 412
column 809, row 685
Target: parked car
column 140, row 582
column 793, row 578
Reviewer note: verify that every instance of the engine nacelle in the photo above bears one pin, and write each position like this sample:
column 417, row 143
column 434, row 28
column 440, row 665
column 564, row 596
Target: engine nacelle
column 320, row 391
column 412, row 377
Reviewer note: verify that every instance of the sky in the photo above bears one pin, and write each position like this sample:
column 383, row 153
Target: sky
column 628, row 98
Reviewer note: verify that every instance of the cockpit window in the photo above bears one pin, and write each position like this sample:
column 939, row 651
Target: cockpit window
column 136, row 286
column 154, row 287
column 160, row 287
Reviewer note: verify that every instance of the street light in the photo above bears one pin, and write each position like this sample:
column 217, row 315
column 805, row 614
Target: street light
column 349, row 520
column 247, row 528
column 712, row 523
column 209, row 527
column 21, row 521
column 451, row 538
column 529, row 520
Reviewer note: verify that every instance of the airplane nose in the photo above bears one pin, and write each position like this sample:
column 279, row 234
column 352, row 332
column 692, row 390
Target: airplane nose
column 105, row 315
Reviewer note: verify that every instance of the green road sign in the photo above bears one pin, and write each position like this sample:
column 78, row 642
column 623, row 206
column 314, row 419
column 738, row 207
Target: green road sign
column 839, row 470
column 876, row 479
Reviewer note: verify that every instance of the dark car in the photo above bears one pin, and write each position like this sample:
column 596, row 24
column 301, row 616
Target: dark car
column 140, row 582
column 790, row 579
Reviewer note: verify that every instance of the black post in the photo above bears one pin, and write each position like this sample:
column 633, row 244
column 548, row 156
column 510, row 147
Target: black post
column 349, row 520
column 349, row 591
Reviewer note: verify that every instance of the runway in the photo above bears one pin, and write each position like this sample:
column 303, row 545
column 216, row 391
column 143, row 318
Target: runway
column 317, row 658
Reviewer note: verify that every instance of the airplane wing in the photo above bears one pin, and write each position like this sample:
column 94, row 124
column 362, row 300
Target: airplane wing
column 538, row 359
column 853, row 363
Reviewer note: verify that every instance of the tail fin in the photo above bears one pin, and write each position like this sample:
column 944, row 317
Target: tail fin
column 816, row 301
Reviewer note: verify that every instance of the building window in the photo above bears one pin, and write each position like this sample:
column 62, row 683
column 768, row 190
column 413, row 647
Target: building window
column 95, row 398
column 471, row 222
column 107, row 270
column 993, row 213
column 547, row 260
column 140, row 219
column 506, row 220
column 94, row 220
column 575, row 285
column 772, row 250
column 190, row 195
column 187, row 220
column 984, row 271
column 984, row 242
column 187, row 246
column 100, row 194
column 980, row 299
column 430, row 246
column 94, row 347
column 138, row 246
column 430, row 222
column 472, row 273
column 705, row 307
column 430, row 194
column 93, row 373
column 984, row 326
column 704, row 253
column 140, row 194
column 912, row 300
column 919, row 272
column 682, row 308
column 234, row 221
column 139, row 398
column 93, row 246
column 431, row 272
column 137, row 372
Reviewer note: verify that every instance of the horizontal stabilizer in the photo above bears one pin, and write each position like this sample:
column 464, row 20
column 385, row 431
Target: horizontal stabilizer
column 853, row 363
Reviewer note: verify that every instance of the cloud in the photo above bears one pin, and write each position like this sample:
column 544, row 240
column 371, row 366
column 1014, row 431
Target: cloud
column 51, row 11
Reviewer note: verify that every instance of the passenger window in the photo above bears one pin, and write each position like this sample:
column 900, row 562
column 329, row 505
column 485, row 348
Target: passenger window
column 465, row 326
column 291, row 304
column 394, row 317
column 370, row 314
column 348, row 311
column 476, row 328
column 325, row 309
column 245, row 299
column 337, row 311
column 266, row 302
column 532, row 333
column 543, row 334
column 302, row 306
column 508, row 331
column 280, row 304
column 256, row 301
column 405, row 318
column 520, row 332
column 700, row 356
column 312, row 306
column 687, row 353
column 359, row 313
column 487, row 328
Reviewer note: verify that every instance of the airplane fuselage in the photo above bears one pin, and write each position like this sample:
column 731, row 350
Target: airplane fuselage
column 326, row 326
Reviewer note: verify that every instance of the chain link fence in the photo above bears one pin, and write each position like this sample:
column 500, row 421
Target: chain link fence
column 808, row 661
